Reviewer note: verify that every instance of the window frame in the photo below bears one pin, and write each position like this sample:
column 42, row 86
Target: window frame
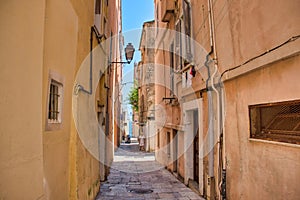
column 158, row 139
column 178, row 44
column 281, row 135
column 168, row 144
column 188, row 32
column 172, row 66
column 54, row 106
column 55, row 79
column 98, row 7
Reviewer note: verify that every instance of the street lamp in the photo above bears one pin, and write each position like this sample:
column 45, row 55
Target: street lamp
column 129, row 52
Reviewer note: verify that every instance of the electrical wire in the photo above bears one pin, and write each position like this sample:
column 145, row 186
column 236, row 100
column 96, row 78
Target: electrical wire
column 294, row 38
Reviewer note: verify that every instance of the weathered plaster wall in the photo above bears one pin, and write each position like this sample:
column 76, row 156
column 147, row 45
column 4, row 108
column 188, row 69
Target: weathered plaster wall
column 60, row 44
column 83, row 168
column 245, row 29
column 271, row 170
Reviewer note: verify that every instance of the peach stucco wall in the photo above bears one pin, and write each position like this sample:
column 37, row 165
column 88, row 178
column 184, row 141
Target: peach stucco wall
column 21, row 65
column 269, row 169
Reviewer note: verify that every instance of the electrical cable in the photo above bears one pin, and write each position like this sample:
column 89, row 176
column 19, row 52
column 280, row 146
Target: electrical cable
column 294, row 38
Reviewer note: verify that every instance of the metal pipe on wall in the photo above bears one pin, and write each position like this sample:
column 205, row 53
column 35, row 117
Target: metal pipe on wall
column 219, row 99
column 99, row 38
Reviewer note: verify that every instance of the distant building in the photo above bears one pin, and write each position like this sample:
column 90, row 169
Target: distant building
column 146, row 81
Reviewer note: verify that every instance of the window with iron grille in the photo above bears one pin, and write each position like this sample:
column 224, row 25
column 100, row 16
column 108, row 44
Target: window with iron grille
column 55, row 102
column 276, row 121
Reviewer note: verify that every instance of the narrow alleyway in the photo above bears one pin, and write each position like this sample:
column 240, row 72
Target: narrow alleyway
column 136, row 175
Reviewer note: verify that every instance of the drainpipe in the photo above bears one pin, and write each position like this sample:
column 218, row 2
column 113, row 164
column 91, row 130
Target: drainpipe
column 222, row 184
column 99, row 38
column 210, row 97
column 212, row 89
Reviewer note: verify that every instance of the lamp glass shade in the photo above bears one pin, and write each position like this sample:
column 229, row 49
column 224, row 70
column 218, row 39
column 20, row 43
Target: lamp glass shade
column 129, row 52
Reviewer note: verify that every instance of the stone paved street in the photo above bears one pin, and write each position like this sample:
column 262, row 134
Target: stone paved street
column 136, row 175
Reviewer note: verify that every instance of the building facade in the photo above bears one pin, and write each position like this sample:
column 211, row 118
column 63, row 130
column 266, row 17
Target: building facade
column 146, row 82
column 44, row 47
column 227, row 114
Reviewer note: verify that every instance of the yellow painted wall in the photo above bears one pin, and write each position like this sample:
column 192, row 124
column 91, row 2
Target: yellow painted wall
column 40, row 39
column 21, row 65
column 60, row 46
column 83, row 167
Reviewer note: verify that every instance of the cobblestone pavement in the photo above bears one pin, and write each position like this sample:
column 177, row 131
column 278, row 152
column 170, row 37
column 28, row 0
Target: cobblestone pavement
column 137, row 176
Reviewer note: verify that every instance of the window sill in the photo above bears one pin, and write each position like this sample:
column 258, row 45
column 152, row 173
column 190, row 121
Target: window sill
column 274, row 142
column 53, row 126
column 54, row 122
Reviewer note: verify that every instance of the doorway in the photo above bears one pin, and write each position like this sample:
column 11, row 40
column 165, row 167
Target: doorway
column 175, row 150
column 196, row 146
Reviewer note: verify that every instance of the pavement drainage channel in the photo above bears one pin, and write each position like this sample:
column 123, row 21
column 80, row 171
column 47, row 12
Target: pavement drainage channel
column 141, row 191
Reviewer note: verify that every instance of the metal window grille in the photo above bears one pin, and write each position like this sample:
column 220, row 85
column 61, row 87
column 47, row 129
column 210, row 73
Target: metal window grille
column 54, row 98
column 276, row 121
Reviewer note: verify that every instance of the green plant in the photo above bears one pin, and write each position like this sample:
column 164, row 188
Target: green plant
column 133, row 97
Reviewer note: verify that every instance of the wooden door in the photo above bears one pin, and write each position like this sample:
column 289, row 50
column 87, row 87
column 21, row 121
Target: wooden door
column 196, row 147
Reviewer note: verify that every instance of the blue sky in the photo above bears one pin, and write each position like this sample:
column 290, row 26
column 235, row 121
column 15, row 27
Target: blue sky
column 134, row 14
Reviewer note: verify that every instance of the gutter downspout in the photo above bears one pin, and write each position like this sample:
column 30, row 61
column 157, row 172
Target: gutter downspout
column 99, row 37
column 220, row 115
column 213, row 130
column 210, row 97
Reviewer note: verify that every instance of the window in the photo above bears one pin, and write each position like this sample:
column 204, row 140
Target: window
column 178, row 50
column 187, row 19
column 276, row 121
column 104, row 26
column 98, row 7
column 55, row 102
column 169, row 144
column 111, row 58
column 172, row 69
column 158, row 138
